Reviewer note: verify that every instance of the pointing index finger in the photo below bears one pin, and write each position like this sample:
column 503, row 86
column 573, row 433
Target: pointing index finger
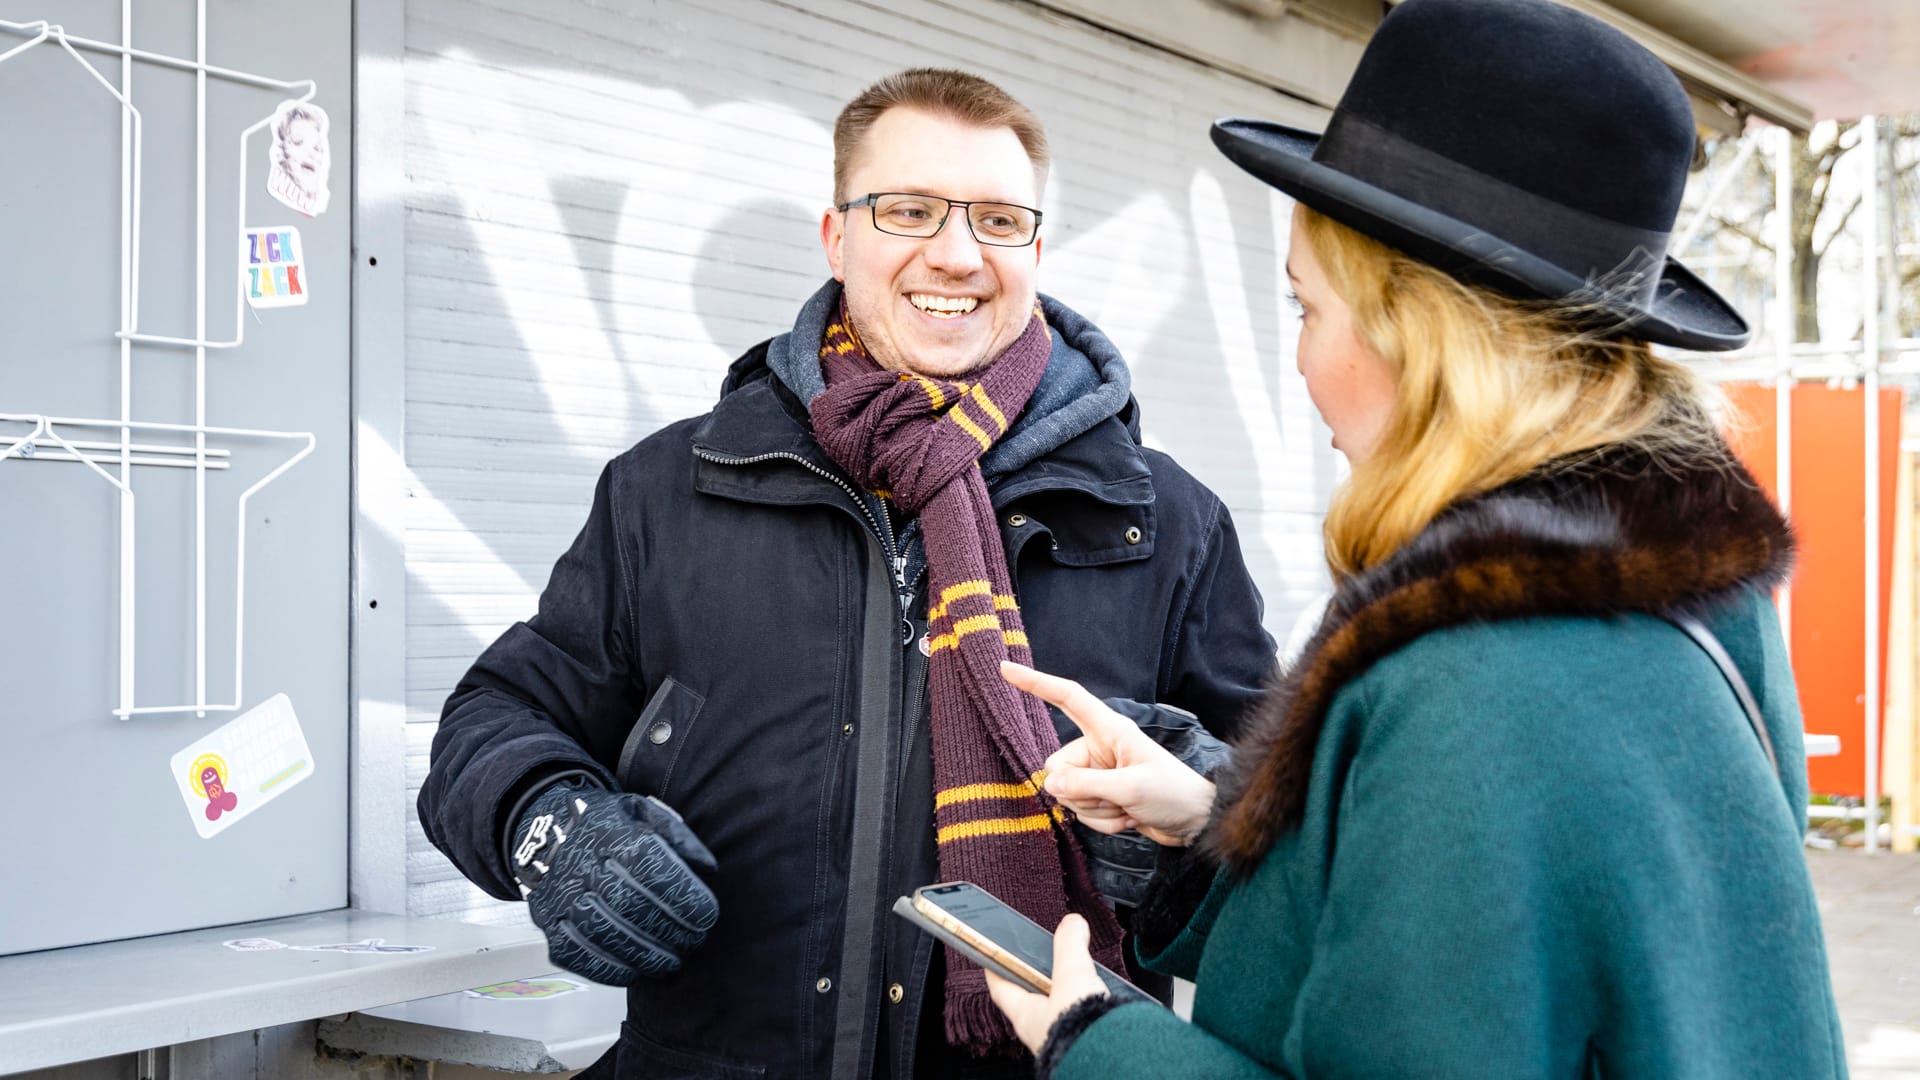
column 1085, row 710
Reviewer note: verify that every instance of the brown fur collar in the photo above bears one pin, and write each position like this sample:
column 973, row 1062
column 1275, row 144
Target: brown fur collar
column 1608, row 536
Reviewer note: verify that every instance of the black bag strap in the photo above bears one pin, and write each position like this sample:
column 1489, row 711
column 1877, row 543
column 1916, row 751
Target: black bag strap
column 1717, row 652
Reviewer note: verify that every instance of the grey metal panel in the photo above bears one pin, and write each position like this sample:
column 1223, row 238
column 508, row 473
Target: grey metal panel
column 608, row 202
column 77, row 1004
column 539, row 1035
column 114, row 851
column 378, row 870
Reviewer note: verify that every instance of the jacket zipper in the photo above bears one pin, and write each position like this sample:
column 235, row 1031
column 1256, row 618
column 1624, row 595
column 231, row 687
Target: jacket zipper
column 883, row 532
column 882, row 529
column 911, row 722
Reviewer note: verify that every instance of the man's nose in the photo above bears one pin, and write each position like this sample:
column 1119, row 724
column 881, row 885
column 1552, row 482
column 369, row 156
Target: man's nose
column 953, row 249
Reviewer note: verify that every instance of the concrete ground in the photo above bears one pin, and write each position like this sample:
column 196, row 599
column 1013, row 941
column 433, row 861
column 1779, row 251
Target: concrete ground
column 1871, row 906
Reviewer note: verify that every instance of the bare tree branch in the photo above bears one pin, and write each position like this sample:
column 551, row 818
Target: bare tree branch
column 1839, row 228
column 1741, row 230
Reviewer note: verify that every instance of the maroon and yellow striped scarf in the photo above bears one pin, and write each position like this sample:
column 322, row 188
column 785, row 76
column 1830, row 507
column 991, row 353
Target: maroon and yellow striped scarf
column 918, row 441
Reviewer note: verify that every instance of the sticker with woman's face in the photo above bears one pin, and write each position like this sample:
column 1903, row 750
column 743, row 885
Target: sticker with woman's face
column 298, row 157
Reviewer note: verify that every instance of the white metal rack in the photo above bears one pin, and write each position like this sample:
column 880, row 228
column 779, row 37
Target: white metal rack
column 124, row 454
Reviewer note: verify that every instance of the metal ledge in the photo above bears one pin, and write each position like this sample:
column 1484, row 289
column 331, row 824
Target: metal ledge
column 538, row 1035
column 91, row 1001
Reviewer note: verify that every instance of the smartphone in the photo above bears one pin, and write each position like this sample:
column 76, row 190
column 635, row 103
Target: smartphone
column 985, row 929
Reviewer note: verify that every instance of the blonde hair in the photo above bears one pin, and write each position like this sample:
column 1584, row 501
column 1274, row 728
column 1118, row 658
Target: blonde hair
column 1487, row 390
column 956, row 95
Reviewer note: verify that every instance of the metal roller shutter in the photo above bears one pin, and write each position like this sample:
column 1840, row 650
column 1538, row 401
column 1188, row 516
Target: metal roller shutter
column 605, row 207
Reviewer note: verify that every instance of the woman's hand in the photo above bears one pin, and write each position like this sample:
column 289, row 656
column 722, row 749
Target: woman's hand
column 1115, row 777
column 1074, row 980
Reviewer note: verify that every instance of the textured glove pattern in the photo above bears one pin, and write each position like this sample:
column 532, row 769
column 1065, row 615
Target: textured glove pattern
column 619, row 897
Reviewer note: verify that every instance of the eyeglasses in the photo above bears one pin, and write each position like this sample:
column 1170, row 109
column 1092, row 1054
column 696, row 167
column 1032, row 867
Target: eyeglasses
column 903, row 213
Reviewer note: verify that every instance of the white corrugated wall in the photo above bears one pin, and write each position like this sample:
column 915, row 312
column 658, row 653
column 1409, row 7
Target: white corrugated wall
column 606, row 206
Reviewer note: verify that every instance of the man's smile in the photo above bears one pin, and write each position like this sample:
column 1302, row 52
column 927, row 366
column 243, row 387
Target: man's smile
column 943, row 307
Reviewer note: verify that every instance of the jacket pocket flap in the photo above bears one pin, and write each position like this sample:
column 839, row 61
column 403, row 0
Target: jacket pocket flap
column 652, row 747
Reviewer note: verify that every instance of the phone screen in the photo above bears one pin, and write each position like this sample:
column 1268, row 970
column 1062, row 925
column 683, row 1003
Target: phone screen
column 992, row 918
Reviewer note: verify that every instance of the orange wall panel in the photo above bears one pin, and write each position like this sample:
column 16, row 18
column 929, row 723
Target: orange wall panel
column 1829, row 581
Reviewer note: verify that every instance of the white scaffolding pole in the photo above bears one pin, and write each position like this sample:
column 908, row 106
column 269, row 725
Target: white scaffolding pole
column 1870, row 384
column 1889, row 262
column 1783, row 331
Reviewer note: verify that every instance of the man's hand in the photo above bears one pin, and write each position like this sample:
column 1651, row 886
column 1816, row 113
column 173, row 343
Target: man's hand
column 610, row 878
column 1075, row 979
column 1115, row 777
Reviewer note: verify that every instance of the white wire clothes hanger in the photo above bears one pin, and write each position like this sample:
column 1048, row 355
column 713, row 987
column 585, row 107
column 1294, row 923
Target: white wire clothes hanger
column 43, row 432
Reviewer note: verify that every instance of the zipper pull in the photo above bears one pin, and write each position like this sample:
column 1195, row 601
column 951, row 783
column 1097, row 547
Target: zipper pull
column 901, row 589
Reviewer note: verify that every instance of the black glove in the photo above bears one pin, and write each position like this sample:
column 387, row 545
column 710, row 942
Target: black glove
column 1123, row 863
column 610, row 878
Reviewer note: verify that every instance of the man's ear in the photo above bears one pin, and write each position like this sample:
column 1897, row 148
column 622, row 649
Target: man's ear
column 833, row 234
column 1037, row 241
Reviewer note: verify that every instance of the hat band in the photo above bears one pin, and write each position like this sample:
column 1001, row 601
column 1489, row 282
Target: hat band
column 1619, row 263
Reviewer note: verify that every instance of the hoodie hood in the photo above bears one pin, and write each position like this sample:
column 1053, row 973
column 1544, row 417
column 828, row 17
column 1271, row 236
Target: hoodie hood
column 1086, row 380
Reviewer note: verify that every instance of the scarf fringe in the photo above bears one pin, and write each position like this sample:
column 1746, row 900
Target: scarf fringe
column 974, row 1022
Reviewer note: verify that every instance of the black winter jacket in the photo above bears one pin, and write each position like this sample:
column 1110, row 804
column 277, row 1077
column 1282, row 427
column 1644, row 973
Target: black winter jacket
column 726, row 634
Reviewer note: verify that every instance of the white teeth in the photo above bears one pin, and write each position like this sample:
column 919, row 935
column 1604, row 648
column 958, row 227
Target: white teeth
column 947, row 306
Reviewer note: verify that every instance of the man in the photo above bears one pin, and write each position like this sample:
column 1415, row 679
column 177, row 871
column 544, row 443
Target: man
column 760, row 699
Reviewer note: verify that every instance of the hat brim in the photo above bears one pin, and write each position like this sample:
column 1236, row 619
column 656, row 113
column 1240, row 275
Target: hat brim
column 1685, row 313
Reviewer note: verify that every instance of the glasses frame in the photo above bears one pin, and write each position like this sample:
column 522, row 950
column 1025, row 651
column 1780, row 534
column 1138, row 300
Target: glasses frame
column 871, row 200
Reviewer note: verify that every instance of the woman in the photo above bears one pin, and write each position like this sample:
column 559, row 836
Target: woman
column 1505, row 816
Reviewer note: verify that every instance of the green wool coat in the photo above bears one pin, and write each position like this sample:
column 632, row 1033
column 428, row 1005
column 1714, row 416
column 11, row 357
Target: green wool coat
column 1502, row 821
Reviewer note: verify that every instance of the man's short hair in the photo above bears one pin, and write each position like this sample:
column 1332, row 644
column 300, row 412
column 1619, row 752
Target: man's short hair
column 944, row 92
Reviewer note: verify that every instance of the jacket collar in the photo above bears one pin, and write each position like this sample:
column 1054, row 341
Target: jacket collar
column 1611, row 535
column 757, row 416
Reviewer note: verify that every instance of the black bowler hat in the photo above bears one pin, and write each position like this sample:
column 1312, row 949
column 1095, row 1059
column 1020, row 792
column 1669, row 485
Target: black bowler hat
column 1516, row 144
